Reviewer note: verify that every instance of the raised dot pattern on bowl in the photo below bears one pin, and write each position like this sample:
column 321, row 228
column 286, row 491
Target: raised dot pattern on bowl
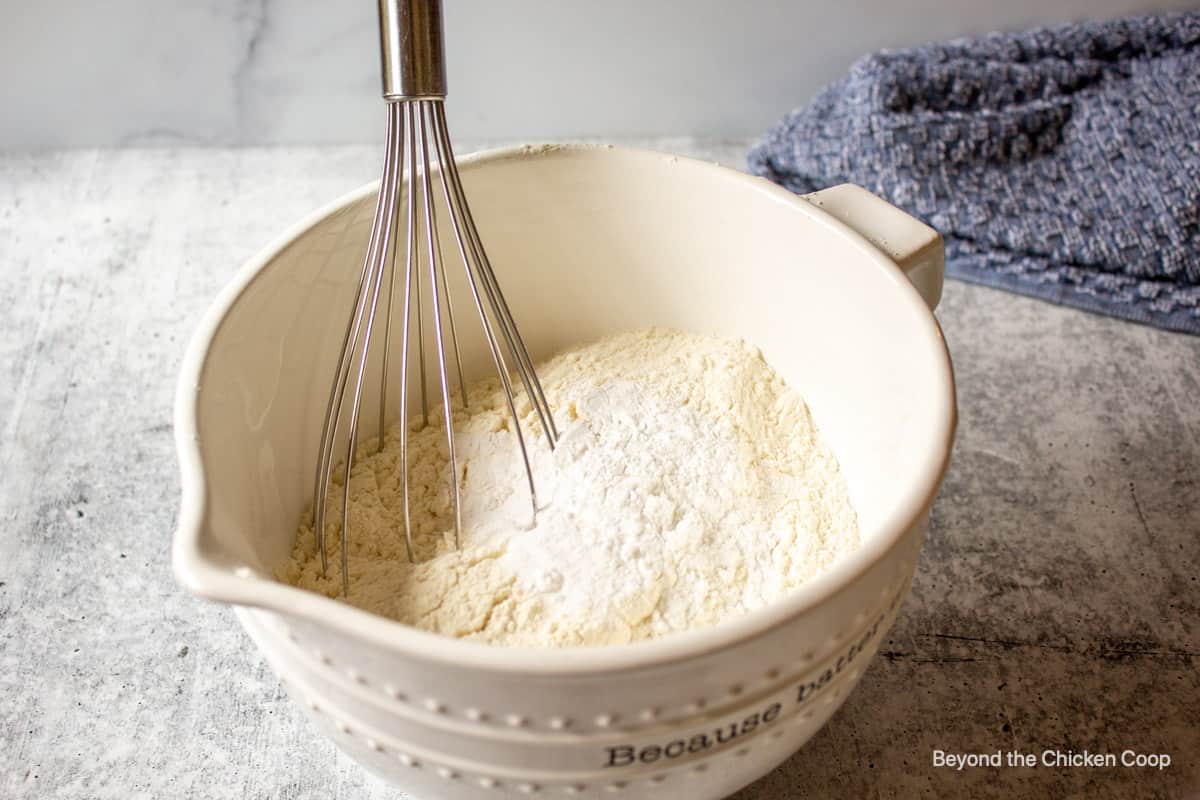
column 630, row 721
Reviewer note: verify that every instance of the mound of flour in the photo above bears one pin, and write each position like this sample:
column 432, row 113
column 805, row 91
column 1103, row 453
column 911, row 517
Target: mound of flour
column 689, row 485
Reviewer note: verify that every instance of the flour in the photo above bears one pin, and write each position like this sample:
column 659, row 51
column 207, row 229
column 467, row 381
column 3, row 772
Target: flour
column 689, row 485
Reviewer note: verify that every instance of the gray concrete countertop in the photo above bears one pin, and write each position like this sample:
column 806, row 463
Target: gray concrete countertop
column 1055, row 605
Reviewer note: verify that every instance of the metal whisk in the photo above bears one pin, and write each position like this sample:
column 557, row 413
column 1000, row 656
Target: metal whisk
column 418, row 155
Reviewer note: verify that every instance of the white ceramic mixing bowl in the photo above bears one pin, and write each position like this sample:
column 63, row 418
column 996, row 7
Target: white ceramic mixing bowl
column 587, row 241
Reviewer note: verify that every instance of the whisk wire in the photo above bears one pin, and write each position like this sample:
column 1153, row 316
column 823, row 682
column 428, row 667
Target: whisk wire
column 379, row 262
column 426, row 115
column 395, row 149
column 410, row 255
column 508, row 325
column 410, row 275
column 457, row 222
column 434, row 253
column 345, row 360
column 360, row 328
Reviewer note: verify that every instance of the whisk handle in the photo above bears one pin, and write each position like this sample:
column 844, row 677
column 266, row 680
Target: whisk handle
column 412, row 49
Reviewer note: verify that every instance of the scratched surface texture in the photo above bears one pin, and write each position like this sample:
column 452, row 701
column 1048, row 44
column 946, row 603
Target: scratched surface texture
column 1055, row 606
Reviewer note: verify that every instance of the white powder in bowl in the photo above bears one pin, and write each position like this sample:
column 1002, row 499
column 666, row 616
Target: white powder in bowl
column 689, row 485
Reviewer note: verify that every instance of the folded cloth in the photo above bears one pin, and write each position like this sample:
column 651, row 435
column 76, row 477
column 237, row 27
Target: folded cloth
column 1062, row 163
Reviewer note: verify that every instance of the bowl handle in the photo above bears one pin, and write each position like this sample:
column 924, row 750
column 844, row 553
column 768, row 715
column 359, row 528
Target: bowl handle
column 914, row 246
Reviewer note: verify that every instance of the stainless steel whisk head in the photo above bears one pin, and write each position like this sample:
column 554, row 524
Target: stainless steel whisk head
column 418, row 166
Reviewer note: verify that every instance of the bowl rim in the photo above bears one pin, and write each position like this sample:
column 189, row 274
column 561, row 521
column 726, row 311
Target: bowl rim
column 200, row 569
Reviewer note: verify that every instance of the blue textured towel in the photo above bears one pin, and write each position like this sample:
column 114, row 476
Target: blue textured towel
column 1062, row 163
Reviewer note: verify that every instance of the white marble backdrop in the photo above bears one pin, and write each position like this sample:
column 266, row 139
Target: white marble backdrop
column 120, row 72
